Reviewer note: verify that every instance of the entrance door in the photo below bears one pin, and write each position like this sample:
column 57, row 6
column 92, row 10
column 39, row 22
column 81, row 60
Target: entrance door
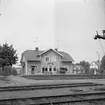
column 50, row 69
column 44, row 69
column 54, row 69
column 32, row 69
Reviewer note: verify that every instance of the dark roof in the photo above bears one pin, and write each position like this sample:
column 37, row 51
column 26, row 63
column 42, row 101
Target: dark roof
column 32, row 55
column 66, row 56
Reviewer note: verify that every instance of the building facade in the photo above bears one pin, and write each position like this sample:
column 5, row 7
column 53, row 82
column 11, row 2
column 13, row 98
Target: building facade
column 51, row 61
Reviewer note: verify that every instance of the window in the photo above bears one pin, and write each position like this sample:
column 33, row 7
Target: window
column 36, row 66
column 50, row 69
column 54, row 68
column 44, row 69
column 32, row 68
column 47, row 58
column 53, row 59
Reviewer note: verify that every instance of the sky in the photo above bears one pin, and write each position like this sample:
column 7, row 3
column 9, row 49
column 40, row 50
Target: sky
column 69, row 25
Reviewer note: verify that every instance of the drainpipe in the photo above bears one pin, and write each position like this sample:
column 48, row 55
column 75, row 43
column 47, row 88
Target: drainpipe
column 98, row 56
column 26, row 67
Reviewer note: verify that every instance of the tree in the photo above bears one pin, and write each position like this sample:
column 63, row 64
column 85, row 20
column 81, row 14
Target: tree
column 86, row 66
column 8, row 55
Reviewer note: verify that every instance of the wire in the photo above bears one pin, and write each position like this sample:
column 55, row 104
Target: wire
column 0, row 4
column 101, row 46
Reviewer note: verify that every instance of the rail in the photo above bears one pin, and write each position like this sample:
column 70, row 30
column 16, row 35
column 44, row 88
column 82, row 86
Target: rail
column 50, row 86
column 59, row 99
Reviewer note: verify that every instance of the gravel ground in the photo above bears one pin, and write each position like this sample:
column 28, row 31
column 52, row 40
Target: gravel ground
column 85, row 103
column 17, row 80
column 21, row 80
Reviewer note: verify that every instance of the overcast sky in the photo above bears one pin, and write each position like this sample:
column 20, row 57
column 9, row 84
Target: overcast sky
column 71, row 23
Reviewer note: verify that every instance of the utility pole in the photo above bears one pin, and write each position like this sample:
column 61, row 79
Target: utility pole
column 98, row 56
column 57, row 43
column 100, row 37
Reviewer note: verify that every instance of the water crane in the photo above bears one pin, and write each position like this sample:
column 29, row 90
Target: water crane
column 100, row 36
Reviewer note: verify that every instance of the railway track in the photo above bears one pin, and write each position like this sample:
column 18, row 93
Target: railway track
column 77, row 96
column 56, row 100
column 51, row 86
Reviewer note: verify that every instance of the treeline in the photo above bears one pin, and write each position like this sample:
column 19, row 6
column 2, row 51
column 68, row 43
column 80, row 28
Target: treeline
column 85, row 66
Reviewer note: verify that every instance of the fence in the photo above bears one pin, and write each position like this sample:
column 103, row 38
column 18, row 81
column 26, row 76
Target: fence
column 63, row 77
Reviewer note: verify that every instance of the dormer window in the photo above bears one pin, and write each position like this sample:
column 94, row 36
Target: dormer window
column 47, row 59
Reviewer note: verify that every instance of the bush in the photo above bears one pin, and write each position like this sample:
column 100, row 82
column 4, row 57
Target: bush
column 7, row 70
column 0, row 70
column 14, row 72
column 63, row 70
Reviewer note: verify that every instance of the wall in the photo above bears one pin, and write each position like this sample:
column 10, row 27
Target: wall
column 33, row 63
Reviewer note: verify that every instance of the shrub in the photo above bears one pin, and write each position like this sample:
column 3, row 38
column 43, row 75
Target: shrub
column 0, row 70
column 63, row 70
column 7, row 70
column 14, row 72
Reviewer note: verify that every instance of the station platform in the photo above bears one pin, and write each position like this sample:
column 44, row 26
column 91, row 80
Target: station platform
column 17, row 80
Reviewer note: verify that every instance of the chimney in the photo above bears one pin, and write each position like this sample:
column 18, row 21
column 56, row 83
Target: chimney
column 56, row 49
column 36, row 48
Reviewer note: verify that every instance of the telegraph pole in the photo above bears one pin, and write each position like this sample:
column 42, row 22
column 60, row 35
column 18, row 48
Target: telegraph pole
column 98, row 55
column 100, row 37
